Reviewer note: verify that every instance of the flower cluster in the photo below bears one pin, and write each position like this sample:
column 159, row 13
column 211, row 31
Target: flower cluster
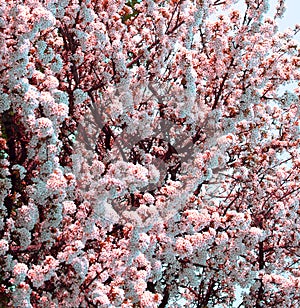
column 147, row 155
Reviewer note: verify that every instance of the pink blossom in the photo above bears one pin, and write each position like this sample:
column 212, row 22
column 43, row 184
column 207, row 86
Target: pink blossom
column 184, row 246
column 20, row 269
column 147, row 155
column 150, row 300
column 3, row 246
column 69, row 207
column 45, row 128
column 51, row 82
column 148, row 198
column 222, row 238
column 44, row 16
column 140, row 286
column 56, row 180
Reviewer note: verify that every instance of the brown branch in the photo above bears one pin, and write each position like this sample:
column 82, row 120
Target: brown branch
column 261, row 261
column 218, row 95
column 165, row 299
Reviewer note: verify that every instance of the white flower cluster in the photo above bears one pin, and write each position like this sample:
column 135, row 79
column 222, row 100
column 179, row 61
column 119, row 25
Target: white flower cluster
column 134, row 176
column 27, row 216
column 69, row 207
column 43, row 17
column 99, row 297
column 31, row 98
column 21, row 169
column 20, row 270
column 24, row 237
column 88, row 14
column 52, row 110
column 4, row 102
column 38, row 274
column 81, row 266
column 5, row 186
column 57, row 64
column 79, row 96
column 21, row 296
column 3, row 247
column 44, row 127
column 39, row 191
column 45, row 52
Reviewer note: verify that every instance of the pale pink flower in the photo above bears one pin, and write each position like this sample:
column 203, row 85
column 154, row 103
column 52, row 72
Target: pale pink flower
column 23, row 13
column 62, row 111
column 20, row 269
column 184, row 246
column 168, row 190
column 69, row 207
column 197, row 239
column 45, row 128
column 56, row 180
column 138, row 171
column 273, row 278
column 38, row 76
column 51, row 263
column 148, row 198
column 46, row 99
column 256, row 232
column 31, row 96
column 142, row 261
column 52, row 149
column 150, row 300
column 43, row 15
column 222, row 238
column 51, row 82
column 159, row 150
column 140, row 286
column 3, row 247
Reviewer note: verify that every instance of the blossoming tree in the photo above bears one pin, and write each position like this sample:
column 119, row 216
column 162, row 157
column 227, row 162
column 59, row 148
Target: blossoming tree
column 147, row 156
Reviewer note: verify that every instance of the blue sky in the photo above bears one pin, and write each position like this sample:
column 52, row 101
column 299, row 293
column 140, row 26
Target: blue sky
column 291, row 16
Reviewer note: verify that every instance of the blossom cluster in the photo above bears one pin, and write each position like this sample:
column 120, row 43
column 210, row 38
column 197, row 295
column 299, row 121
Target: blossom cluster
column 147, row 157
